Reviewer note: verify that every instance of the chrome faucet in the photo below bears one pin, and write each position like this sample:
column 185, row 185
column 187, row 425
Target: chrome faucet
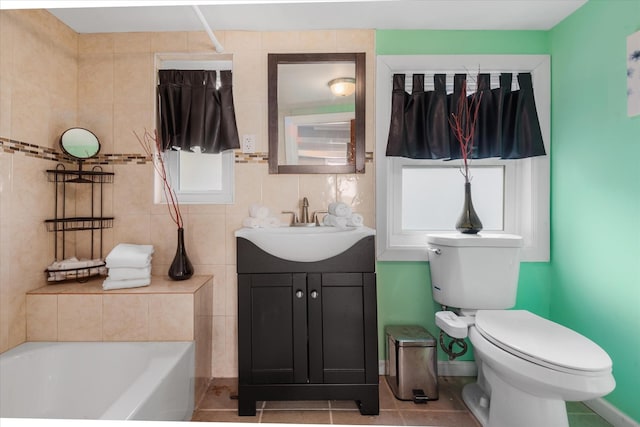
column 304, row 216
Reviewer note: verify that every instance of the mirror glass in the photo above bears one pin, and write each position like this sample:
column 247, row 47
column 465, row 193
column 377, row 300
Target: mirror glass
column 79, row 143
column 316, row 113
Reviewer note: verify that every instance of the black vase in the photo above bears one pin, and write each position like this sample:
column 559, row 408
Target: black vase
column 181, row 268
column 468, row 223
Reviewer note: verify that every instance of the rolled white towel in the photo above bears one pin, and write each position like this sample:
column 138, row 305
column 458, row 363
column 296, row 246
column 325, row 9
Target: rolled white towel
column 269, row 222
column 73, row 262
column 355, row 220
column 58, row 276
column 258, row 211
column 339, row 209
column 110, row 284
column 334, row 221
column 125, row 273
column 251, row 222
column 129, row 255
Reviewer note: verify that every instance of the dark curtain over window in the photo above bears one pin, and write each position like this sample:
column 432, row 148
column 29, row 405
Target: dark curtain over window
column 194, row 113
column 507, row 124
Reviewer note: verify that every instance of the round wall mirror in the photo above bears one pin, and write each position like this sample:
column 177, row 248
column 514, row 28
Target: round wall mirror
column 79, row 143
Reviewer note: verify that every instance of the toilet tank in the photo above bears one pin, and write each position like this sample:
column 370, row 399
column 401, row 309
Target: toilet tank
column 474, row 271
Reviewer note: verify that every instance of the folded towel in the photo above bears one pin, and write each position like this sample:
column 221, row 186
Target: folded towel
column 125, row 273
column 334, row 221
column 129, row 255
column 109, row 283
column 339, row 209
column 258, row 211
column 355, row 220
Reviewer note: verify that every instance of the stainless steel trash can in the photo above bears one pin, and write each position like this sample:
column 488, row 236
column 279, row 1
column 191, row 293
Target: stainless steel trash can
column 412, row 369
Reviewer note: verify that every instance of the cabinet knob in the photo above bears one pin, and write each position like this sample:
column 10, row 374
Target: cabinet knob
column 314, row 294
column 299, row 294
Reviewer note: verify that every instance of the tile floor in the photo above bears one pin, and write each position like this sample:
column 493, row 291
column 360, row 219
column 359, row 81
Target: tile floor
column 448, row 411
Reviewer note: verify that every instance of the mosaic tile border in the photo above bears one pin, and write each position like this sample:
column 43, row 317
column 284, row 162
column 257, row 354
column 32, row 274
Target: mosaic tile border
column 11, row 146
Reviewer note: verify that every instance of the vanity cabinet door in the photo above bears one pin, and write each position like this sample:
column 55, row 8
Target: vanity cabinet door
column 342, row 327
column 272, row 316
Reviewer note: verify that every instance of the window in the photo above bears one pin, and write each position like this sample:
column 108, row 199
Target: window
column 201, row 178
column 197, row 178
column 418, row 197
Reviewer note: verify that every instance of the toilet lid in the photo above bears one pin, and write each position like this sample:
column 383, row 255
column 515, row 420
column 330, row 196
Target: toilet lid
column 542, row 341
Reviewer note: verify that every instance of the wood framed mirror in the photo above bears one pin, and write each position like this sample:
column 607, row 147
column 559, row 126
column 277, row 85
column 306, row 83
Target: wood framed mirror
column 316, row 113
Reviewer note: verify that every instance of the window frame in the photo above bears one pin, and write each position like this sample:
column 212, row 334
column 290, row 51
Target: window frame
column 188, row 61
column 527, row 181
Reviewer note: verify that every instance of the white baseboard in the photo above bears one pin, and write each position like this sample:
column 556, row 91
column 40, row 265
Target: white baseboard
column 446, row 368
column 610, row 413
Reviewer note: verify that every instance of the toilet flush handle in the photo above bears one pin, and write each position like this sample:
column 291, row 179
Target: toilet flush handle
column 436, row 251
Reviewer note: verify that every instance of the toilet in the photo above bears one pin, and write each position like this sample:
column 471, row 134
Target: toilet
column 528, row 366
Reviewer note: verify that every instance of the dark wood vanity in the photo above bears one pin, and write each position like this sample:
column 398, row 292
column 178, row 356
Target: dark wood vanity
column 307, row 330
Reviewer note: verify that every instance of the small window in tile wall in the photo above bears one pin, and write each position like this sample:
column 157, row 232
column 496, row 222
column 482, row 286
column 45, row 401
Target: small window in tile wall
column 197, row 176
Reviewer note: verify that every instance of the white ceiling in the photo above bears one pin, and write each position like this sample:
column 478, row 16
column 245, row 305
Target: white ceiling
column 264, row 15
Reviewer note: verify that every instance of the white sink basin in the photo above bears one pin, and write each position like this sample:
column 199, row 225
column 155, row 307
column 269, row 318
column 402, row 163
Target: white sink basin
column 304, row 244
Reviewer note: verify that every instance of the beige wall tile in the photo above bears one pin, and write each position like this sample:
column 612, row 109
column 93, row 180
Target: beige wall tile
column 320, row 191
column 281, row 193
column 132, row 42
column 132, row 228
column 231, row 298
column 203, row 334
column 219, row 290
column 129, row 118
column 99, row 43
column 318, row 41
column 206, row 239
column 219, row 345
column 125, row 317
column 357, row 191
column 23, row 125
column 242, row 41
column 171, row 317
column 249, row 77
column 133, row 78
column 174, row 41
column 79, row 317
column 42, row 318
column 95, row 79
column 355, row 41
column 133, row 189
column 231, row 357
column 281, row 41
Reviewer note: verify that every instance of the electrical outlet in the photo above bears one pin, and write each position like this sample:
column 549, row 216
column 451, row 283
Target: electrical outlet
column 248, row 143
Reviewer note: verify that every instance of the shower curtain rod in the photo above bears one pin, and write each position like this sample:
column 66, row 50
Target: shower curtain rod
column 214, row 40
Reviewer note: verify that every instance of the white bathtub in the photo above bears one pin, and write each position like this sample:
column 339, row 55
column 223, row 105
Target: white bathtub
column 98, row 380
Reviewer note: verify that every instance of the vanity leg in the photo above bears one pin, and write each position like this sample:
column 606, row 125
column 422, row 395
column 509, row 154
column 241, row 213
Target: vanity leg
column 369, row 405
column 246, row 407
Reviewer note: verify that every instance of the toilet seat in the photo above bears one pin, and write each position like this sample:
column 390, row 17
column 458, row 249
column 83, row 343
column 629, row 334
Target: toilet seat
column 542, row 342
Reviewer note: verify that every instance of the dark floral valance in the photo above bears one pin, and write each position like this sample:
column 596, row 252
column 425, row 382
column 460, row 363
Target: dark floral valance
column 506, row 125
column 194, row 114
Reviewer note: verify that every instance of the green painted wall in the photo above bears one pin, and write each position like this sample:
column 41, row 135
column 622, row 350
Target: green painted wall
column 595, row 170
column 404, row 288
column 420, row 42
column 592, row 284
